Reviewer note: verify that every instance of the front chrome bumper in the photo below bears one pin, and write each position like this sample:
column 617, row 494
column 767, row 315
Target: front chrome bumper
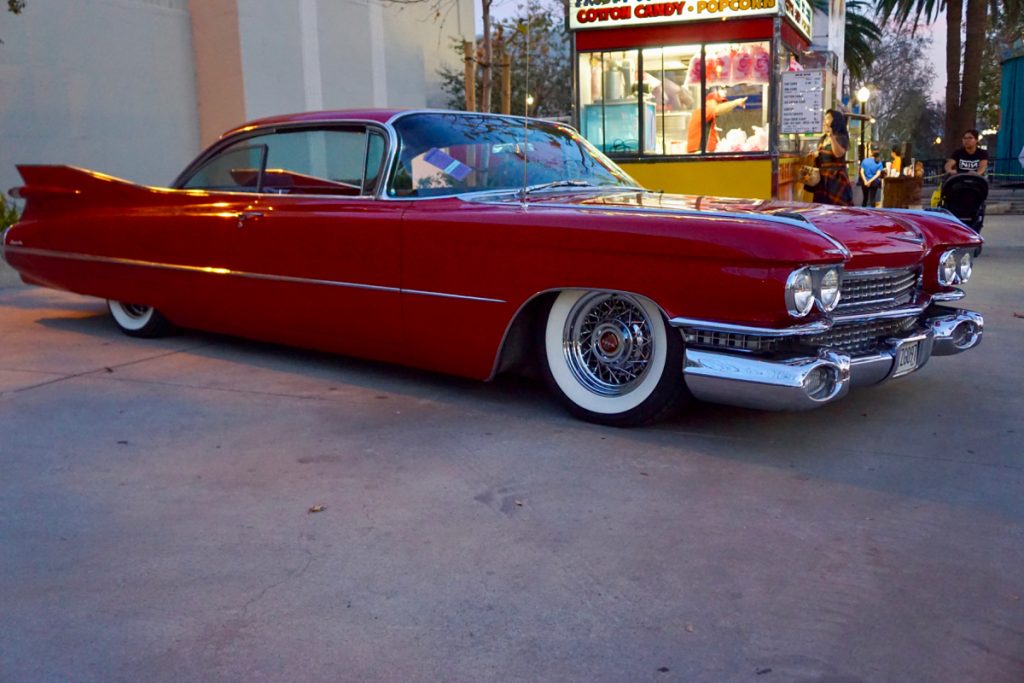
column 810, row 382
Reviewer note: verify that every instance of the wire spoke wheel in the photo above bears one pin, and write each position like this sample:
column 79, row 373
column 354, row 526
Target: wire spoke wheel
column 611, row 357
column 608, row 344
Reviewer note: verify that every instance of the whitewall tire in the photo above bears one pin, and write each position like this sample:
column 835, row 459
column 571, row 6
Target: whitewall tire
column 139, row 320
column 612, row 358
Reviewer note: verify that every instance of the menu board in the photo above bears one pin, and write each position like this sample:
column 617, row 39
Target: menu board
column 803, row 95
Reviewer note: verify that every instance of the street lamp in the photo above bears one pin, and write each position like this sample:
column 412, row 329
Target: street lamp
column 863, row 95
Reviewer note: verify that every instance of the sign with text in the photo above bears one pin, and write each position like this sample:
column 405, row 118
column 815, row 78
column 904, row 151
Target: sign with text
column 589, row 14
column 803, row 97
column 801, row 15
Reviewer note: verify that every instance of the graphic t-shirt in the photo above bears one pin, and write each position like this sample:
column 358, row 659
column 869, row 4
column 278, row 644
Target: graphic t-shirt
column 966, row 163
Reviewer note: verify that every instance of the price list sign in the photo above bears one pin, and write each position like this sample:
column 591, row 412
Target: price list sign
column 802, row 95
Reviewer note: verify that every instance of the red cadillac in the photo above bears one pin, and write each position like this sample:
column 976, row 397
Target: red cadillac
column 473, row 244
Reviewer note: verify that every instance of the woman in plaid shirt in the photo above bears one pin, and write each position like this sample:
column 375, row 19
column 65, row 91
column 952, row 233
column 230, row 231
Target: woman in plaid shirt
column 830, row 158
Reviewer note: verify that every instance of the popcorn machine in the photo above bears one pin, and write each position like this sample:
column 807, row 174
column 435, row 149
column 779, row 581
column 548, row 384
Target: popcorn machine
column 686, row 96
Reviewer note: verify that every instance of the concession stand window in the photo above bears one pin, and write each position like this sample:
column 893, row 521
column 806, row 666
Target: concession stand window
column 685, row 95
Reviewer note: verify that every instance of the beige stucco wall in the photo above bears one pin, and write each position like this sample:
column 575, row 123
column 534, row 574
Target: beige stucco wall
column 135, row 88
column 105, row 84
column 326, row 54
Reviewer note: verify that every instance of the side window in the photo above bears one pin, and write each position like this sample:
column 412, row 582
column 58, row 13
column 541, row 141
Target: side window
column 330, row 162
column 236, row 169
column 315, row 162
column 375, row 153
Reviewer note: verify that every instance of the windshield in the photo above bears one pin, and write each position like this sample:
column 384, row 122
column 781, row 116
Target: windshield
column 445, row 154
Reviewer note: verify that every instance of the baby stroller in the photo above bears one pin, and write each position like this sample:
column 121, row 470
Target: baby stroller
column 963, row 195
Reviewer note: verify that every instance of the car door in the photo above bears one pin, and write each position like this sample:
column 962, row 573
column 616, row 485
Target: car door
column 184, row 239
column 319, row 255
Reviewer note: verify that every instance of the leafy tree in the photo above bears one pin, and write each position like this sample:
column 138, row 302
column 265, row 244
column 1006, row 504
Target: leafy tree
column 862, row 38
column 8, row 214
column 962, row 88
column 549, row 62
column 904, row 112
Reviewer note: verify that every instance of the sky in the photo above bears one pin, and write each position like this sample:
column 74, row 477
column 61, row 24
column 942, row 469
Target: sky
column 937, row 54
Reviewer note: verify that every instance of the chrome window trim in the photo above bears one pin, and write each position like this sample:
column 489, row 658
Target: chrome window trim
column 223, row 143
column 213, row 270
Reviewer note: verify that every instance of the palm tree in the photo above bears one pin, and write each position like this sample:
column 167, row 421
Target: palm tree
column 861, row 36
column 961, row 94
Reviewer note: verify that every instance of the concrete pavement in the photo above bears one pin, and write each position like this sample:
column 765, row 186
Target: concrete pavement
column 155, row 524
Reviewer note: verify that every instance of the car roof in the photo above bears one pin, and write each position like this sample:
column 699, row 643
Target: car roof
column 332, row 115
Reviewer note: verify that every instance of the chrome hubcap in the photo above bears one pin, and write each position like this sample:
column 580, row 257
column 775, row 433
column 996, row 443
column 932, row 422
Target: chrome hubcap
column 607, row 343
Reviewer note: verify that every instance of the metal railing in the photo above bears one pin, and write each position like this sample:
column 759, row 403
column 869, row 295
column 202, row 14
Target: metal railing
column 1001, row 172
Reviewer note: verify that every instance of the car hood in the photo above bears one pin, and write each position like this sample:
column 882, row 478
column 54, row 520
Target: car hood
column 873, row 237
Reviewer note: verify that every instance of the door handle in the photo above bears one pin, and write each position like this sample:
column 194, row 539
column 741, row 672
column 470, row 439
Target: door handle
column 243, row 216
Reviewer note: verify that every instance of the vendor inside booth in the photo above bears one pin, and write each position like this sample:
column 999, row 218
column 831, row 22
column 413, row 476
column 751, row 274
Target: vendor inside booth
column 684, row 95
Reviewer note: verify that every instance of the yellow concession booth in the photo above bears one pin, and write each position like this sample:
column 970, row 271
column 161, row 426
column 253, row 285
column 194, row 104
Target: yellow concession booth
column 688, row 96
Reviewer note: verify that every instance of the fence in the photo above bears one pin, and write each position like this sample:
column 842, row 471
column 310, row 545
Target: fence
column 1001, row 172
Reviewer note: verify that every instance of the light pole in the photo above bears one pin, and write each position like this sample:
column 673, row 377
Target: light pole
column 863, row 95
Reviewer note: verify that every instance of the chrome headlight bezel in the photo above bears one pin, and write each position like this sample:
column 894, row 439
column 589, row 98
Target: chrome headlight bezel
column 947, row 268
column 829, row 287
column 810, row 286
column 955, row 266
column 965, row 265
column 800, row 292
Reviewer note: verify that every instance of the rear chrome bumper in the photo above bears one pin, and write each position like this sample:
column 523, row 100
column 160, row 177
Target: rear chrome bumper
column 813, row 381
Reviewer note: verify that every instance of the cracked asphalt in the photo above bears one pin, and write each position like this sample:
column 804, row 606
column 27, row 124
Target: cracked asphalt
column 155, row 518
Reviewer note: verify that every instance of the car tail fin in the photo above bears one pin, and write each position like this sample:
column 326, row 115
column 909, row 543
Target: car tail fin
column 54, row 189
column 69, row 181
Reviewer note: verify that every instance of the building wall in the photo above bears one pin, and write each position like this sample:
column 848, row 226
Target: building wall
column 104, row 84
column 326, row 54
column 135, row 88
column 220, row 80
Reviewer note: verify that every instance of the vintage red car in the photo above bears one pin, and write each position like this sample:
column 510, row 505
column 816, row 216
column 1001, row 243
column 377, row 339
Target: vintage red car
column 475, row 243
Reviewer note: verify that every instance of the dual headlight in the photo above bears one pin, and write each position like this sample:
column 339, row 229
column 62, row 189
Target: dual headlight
column 955, row 267
column 812, row 285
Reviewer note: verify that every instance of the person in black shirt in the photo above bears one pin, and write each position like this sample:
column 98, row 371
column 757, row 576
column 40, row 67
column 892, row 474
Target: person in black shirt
column 968, row 159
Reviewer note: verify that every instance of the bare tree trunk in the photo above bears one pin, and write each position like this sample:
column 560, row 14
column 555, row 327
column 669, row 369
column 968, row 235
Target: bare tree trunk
column 469, row 54
column 954, row 18
column 506, row 84
column 486, row 79
column 974, row 47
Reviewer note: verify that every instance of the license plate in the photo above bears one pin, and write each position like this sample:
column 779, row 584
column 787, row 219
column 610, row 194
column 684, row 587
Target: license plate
column 906, row 359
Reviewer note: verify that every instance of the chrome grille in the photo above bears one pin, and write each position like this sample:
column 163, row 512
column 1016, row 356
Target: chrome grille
column 877, row 289
column 731, row 341
column 860, row 338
